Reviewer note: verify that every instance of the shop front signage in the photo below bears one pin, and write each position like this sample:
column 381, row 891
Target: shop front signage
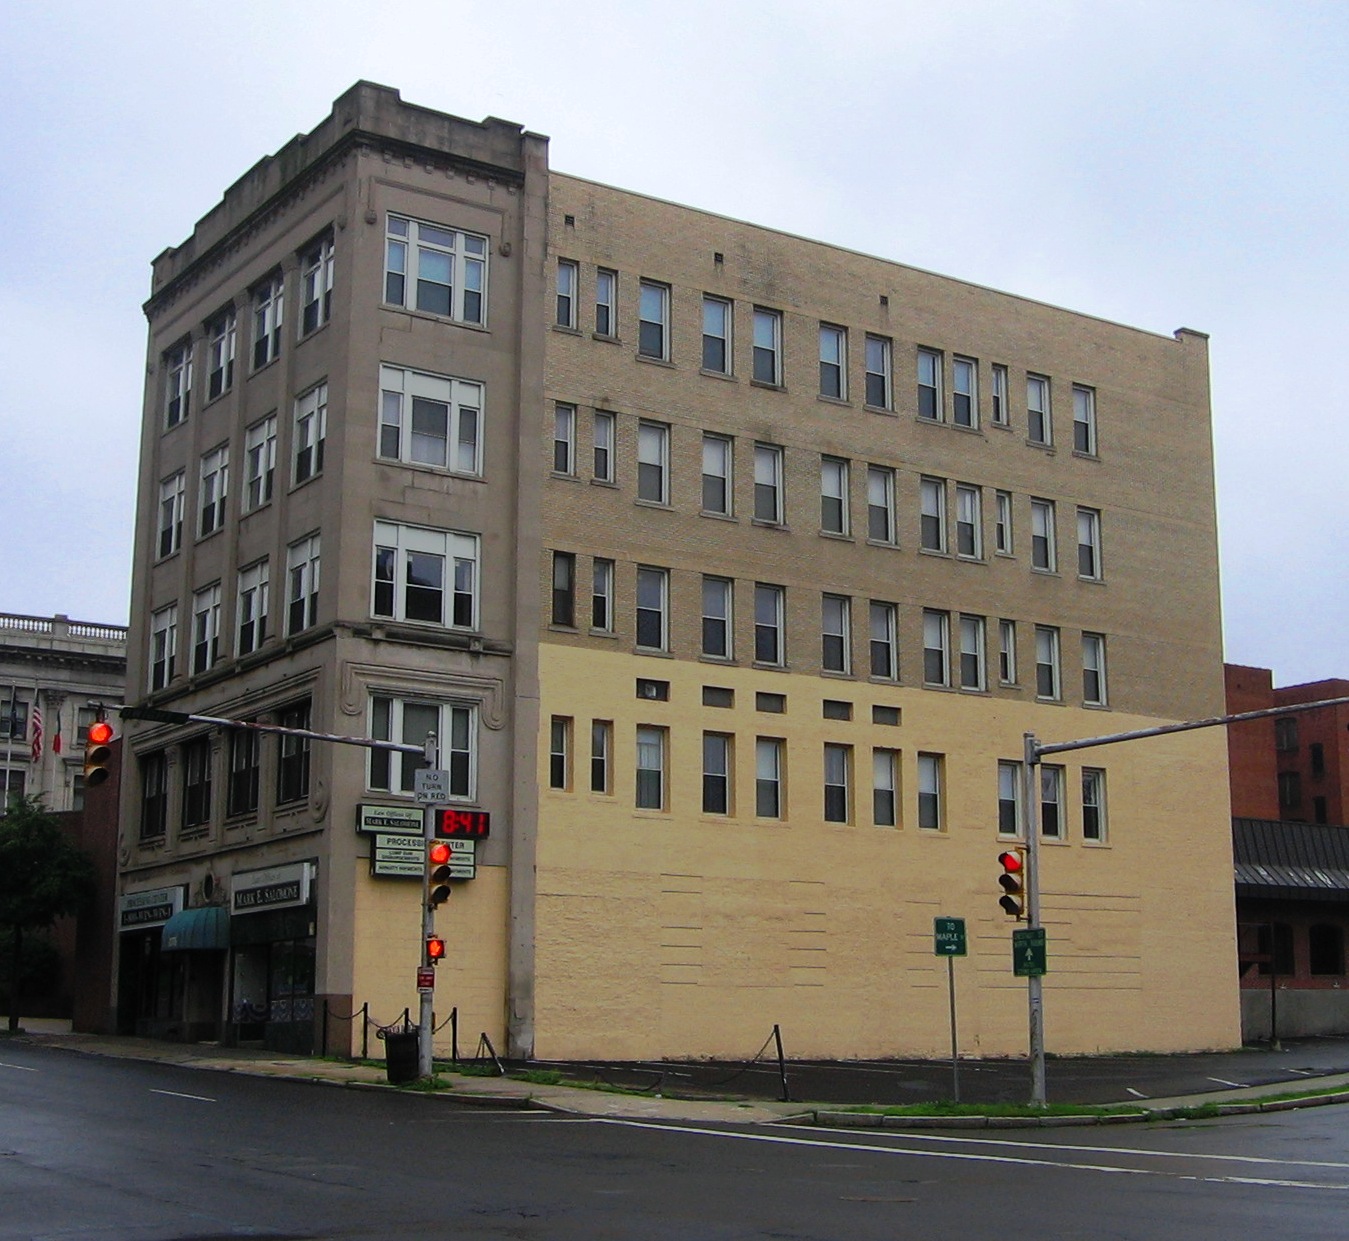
column 277, row 887
column 408, row 819
column 403, row 855
column 136, row 910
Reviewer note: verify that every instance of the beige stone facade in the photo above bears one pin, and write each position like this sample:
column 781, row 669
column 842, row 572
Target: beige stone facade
column 874, row 518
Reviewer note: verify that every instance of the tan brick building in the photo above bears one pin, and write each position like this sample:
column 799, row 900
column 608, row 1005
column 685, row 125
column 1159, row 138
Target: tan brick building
column 729, row 567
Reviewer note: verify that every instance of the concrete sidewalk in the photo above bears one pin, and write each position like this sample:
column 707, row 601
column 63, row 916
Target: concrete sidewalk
column 509, row 1092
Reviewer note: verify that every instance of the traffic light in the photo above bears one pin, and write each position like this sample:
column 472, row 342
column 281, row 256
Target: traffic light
column 435, row 949
column 97, row 754
column 1013, row 881
column 437, row 873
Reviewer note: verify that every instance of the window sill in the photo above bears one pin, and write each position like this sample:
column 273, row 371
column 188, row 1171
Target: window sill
column 267, row 365
column 1044, row 446
column 973, row 429
column 314, row 331
column 762, row 667
column 935, row 551
column 771, row 387
column 605, row 338
column 723, row 661
column 880, row 409
column 1091, row 581
column 430, row 317
column 834, row 400
column 712, row 515
column 566, row 329
column 717, row 374
column 890, row 545
column 652, row 652
column 1086, row 456
column 554, row 627
column 837, row 535
column 1044, row 572
column 602, row 633
column 564, row 475
column 659, row 504
column 999, row 426
column 604, row 482
column 764, row 524
column 650, row 361
column 923, row 420
column 964, row 559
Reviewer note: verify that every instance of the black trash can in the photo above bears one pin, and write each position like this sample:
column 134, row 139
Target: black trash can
column 400, row 1057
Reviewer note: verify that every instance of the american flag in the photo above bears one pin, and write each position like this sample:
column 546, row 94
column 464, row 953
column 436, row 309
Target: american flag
column 37, row 730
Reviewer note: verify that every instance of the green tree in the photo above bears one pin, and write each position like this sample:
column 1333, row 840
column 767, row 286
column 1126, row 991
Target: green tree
column 42, row 877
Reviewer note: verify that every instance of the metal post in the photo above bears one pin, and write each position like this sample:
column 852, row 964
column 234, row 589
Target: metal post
column 426, row 1022
column 955, row 1054
column 782, row 1065
column 1030, row 796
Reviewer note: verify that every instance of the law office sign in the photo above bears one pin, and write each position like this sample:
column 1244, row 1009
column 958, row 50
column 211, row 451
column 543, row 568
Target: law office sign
column 276, row 887
column 381, row 819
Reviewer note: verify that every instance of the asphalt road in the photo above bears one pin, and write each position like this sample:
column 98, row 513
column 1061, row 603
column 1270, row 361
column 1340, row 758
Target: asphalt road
column 110, row 1150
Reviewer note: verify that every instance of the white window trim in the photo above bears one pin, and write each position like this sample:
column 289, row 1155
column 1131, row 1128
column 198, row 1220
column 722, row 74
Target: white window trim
column 468, row 264
column 259, row 463
column 397, row 438
column 456, row 728
column 311, row 431
column 767, row 345
column 458, row 553
column 254, row 605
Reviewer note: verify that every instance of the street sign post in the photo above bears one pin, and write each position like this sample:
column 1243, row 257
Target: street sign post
column 948, row 940
column 1028, row 952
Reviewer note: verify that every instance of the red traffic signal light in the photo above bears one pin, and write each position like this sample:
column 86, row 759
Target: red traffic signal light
column 435, row 949
column 1013, row 881
column 97, row 754
column 438, row 855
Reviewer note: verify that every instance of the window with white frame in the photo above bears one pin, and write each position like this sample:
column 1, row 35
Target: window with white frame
column 885, row 788
column 178, row 383
column 650, row 768
column 245, row 769
column 411, row 722
column 929, row 385
column 718, row 593
column 316, row 285
column 606, row 302
column 833, row 361
column 311, row 429
column 171, row 492
column 1002, row 526
column 836, row 635
column 564, row 438
column 717, row 319
column 568, row 281
column 768, row 777
column 969, row 522
column 653, row 321
column 602, row 595
column 653, row 462
column 884, row 643
column 932, row 510
column 1007, row 652
column 1043, row 550
column 601, row 750
column 154, row 795
column 254, row 606
column 837, row 783
column 878, row 371
column 1051, row 801
column 603, row 465
column 1089, row 543
column 430, row 420
column 717, row 475
column 292, row 757
column 259, row 463
column 423, row 574
column 196, row 764
column 1039, row 423
column 163, row 646
column 564, row 589
column 999, row 412
column 972, row 674
column 221, row 334
column 269, row 307
column 833, row 495
column 1093, row 804
column 215, row 478
column 880, row 504
column 965, row 392
column 716, row 773
column 768, row 484
column 1047, row 680
column 653, row 608
column 930, row 779
column 936, row 647
column 1093, row 669
column 302, row 584
column 559, row 752
column 768, row 346
column 1084, row 419
column 205, row 629
column 438, row 270
column 770, row 608
column 1009, row 798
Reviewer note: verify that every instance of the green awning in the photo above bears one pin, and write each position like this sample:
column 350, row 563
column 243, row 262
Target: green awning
column 204, row 929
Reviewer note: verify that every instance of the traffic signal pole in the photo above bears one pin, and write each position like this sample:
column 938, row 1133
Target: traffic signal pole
column 1030, row 801
column 426, row 997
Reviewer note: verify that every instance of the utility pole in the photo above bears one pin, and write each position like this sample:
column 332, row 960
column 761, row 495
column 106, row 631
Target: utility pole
column 426, row 995
column 1030, row 796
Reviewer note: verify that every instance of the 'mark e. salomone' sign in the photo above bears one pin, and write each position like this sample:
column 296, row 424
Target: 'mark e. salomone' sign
column 274, row 888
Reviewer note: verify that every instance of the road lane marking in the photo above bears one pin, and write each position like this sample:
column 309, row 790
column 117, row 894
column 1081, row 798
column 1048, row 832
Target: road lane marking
column 23, row 1068
column 174, row 1094
column 1137, row 1094
column 1222, row 1081
column 971, row 1157
column 1301, row 1072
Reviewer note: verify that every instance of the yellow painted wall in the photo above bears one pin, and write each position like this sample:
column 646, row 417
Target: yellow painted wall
column 682, row 934
column 472, row 977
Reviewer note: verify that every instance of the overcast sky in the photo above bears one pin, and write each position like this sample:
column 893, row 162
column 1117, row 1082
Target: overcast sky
column 1159, row 164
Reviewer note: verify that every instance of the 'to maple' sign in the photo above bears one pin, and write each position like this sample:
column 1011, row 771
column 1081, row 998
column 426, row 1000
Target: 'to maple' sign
column 470, row 824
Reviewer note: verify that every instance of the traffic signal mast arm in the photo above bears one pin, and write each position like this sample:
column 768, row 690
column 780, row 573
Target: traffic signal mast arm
column 185, row 717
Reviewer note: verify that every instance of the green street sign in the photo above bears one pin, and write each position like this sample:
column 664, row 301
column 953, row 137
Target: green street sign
column 1028, row 952
column 948, row 937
